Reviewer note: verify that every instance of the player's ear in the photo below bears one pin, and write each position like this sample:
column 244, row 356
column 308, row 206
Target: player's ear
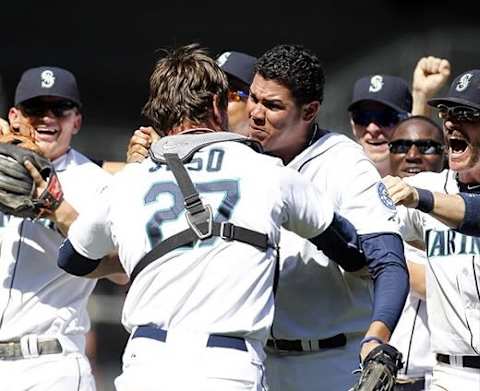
column 354, row 129
column 77, row 124
column 16, row 118
column 13, row 114
column 310, row 110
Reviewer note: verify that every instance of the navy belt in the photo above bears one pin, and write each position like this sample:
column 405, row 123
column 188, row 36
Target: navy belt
column 214, row 340
column 460, row 361
column 414, row 385
column 297, row 345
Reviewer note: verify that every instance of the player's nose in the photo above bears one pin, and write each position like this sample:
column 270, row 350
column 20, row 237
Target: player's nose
column 413, row 154
column 373, row 128
column 256, row 113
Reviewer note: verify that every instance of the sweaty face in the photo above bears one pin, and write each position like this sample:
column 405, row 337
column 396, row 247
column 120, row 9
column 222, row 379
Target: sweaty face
column 373, row 134
column 54, row 127
column 463, row 141
column 275, row 119
column 416, row 147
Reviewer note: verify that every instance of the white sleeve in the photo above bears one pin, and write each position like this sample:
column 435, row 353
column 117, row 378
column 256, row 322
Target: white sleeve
column 410, row 222
column 306, row 211
column 415, row 255
column 90, row 233
column 363, row 198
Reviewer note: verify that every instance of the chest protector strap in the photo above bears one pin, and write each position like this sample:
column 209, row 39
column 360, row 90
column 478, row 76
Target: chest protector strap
column 200, row 221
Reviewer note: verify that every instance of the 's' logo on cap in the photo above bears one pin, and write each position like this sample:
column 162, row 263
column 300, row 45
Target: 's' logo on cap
column 48, row 79
column 223, row 58
column 376, row 83
column 464, row 82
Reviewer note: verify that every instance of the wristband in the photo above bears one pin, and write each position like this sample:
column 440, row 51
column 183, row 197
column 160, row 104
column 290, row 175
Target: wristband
column 425, row 200
column 370, row 339
column 471, row 222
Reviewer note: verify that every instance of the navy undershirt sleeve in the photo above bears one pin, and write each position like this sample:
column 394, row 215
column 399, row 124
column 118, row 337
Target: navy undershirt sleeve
column 386, row 263
column 471, row 222
column 339, row 242
column 74, row 263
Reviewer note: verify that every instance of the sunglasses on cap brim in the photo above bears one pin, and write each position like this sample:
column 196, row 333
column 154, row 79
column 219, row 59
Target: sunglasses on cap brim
column 383, row 118
column 39, row 108
column 458, row 113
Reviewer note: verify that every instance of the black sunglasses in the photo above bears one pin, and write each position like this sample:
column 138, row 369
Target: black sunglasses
column 38, row 108
column 383, row 118
column 458, row 113
column 425, row 147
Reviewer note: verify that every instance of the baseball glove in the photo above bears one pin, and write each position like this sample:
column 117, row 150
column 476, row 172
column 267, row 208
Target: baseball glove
column 379, row 369
column 17, row 187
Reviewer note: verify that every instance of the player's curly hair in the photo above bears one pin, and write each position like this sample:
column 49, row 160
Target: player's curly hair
column 296, row 68
column 182, row 87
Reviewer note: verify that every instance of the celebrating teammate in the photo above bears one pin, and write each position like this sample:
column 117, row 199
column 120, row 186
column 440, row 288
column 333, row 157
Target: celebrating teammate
column 459, row 211
column 379, row 102
column 43, row 316
column 416, row 145
column 322, row 313
column 239, row 68
column 453, row 267
column 201, row 302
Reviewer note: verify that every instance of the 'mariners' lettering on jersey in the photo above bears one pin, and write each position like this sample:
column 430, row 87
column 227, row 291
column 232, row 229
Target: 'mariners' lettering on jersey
column 448, row 242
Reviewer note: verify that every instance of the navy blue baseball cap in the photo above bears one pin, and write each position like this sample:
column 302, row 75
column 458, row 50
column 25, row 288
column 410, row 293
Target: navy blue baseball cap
column 239, row 65
column 392, row 91
column 47, row 81
column 464, row 91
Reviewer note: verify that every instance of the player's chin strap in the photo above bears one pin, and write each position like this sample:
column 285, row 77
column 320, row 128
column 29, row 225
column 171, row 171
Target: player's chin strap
column 200, row 221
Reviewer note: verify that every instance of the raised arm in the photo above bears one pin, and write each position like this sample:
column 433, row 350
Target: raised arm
column 429, row 76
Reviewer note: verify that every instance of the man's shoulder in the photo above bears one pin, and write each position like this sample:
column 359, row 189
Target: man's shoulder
column 435, row 181
column 333, row 143
column 78, row 171
column 336, row 153
column 76, row 159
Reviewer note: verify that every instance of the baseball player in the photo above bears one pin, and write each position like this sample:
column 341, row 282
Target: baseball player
column 239, row 68
column 43, row 317
column 459, row 211
column 323, row 313
column 416, row 145
column 201, row 301
column 453, row 268
column 379, row 102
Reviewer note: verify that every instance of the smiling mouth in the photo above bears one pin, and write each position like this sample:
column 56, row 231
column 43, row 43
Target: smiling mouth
column 457, row 145
column 412, row 170
column 376, row 143
column 46, row 131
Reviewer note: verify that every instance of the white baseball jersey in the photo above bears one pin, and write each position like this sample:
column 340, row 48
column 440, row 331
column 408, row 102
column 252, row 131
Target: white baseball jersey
column 315, row 298
column 453, row 270
column 222, row 287
column 37, row 297
column 412, row 334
